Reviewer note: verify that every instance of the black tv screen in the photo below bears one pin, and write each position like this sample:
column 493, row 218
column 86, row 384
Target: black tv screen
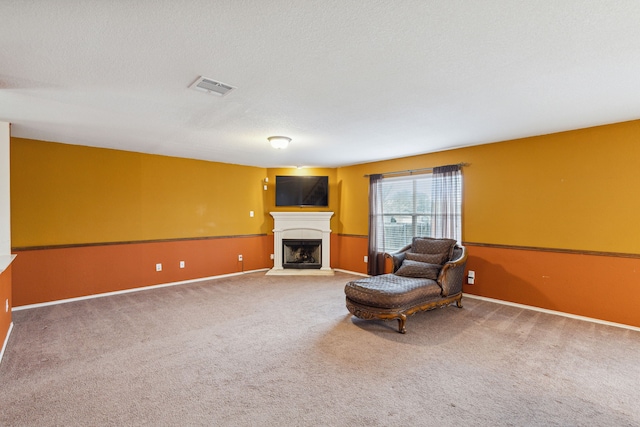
column 302, row 191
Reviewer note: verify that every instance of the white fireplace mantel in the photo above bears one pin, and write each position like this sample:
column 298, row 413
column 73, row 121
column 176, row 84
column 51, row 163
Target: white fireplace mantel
column 301, row 225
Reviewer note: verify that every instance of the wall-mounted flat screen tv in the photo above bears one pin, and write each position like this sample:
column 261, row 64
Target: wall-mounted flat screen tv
column 302, row 191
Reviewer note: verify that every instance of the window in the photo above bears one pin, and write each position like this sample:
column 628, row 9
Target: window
column 405, row 213
column 403, row 207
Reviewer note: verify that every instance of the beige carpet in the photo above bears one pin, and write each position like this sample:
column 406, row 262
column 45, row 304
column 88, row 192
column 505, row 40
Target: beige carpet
column 257, row 350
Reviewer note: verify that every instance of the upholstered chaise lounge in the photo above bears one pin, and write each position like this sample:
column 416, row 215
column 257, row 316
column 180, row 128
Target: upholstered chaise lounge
column 427, row 274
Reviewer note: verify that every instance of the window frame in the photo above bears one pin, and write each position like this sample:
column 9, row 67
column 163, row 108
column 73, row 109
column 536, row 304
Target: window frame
column 383, row 240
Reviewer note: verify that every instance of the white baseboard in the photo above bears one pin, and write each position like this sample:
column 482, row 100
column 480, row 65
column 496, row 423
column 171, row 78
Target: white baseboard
column 351, row 272
column 6, row 340
column 557, row 313
column 126, row 291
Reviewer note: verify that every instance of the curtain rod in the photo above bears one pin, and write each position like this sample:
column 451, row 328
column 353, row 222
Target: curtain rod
column 412, row 171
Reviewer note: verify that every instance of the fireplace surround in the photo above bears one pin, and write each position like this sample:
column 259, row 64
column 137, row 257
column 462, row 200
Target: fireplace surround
column 299, row 227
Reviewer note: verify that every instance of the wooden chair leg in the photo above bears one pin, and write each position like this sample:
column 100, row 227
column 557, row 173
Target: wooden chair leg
column 401, row 322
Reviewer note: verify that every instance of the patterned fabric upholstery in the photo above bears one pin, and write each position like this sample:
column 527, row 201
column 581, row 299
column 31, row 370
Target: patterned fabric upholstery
column 419, row 269
column 427, row 245
column 430, row 258
column 391, row 291
column 451, row 280
column 394, row 296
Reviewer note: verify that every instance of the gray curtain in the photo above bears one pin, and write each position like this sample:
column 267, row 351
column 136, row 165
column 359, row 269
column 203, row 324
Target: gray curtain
column 446, row 191
column 375, row 265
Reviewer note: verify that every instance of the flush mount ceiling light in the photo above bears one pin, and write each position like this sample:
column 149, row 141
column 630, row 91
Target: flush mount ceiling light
column 279, row 142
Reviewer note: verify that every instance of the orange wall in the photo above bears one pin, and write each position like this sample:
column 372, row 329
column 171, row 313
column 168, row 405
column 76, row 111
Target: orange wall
column 596, row 286
column 5, row 232
column 347, row 252
column 5, row 294
column 571, row 190
column 89, row 220
column 565, row 191
column 68, row 194
column 60, row 273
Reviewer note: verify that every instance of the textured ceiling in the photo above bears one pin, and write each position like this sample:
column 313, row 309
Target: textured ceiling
column 349, row 81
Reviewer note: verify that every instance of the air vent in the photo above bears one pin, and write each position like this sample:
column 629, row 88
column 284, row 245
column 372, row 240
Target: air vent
column 211, row 86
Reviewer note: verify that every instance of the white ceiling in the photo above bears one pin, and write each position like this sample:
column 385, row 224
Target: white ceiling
column 350, row 81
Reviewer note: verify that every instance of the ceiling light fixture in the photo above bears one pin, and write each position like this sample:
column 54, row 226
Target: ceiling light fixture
column 279, row 142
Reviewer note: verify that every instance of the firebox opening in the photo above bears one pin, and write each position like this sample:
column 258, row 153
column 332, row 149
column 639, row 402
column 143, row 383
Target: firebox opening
column 301, row 253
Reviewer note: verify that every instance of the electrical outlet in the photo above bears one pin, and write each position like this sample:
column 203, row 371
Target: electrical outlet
column 471, row 277
column 271, row 256
column 181, row 264
column 158, row 267
column 251, row 214
column 239, row 257
column 6, row 305
column 366, row 258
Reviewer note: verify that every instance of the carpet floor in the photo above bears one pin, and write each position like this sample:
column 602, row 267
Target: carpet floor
column 257, row 350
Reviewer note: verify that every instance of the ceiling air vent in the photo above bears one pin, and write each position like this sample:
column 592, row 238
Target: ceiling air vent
column 211, row 86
